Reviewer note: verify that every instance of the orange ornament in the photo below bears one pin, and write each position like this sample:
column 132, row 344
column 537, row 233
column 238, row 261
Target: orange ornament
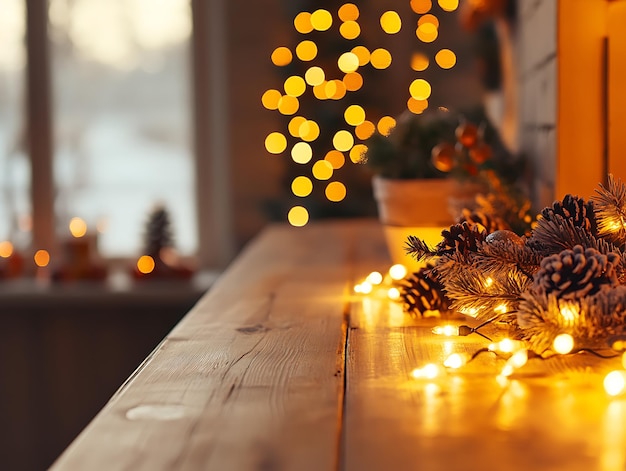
column 467, row 134
column 442, row 157
column 480, row 153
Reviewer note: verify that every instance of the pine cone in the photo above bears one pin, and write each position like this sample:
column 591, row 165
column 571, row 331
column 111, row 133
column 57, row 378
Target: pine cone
column 482, row 220
column 572, row 207
column 461, row 238
column 158, row 232
column 576, row 273
column 422, row 291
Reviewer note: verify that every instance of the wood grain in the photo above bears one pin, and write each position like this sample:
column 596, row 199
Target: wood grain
column 252, row 378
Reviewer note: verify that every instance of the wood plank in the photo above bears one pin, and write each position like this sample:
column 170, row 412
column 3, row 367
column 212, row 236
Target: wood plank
column 252, row 378
column 552, row 415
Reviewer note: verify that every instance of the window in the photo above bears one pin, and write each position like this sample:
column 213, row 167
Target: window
column 121, row 119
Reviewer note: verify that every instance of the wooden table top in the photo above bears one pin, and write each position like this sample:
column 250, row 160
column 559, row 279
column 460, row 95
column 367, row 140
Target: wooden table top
column 280, row 366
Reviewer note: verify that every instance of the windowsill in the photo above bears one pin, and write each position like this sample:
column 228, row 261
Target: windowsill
column 118, row 288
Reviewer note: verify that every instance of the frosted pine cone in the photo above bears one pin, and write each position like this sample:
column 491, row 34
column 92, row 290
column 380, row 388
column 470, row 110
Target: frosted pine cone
column 576, row 209
column 576, row 273
column 460, row 238
column 422, row 291
column 482, row 220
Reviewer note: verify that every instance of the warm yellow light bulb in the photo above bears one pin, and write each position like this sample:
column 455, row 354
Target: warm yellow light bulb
column 348, row 62
column 270, row 99
column 301, row 186
column 275, row 143
column 357, row 153
column 302, row 22
column 563, row 344
column 390, row 22
column 445, row 58
column 393, row 293
column 421, row 6
column 420, row 89
column 335, row 191
column 380, row 58
column 365, row 130
column 419, row 62
column 615, row 382
column 518, row 359
column 428, row 371
column 375, row 278
column 348, row 12
column 314, row 76
column 298, row 216
column 322, row 170
column 353, row 81
column 362, row 53
column 78, row 227
column 385, row 125
column 41, row 258
column 366, row 287
column 301, row 153
column 294, row 86
column 350, row 30
column 343, row 140
column 397, row 272
column 306, row 50
column 455, row 360
column 145, row 264
column 6, row 249
column 335, row 158
column 321, row 20
column 427, row 32
column 281, row 56
column 446, row 330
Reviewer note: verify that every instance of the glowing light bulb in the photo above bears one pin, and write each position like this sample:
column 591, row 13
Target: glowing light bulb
column 393, row 293
column 563, row 344
column 446, row 330
column 615, row 382
column 78, row 227
column 501, row 308
column 145, row 264
column 506, row 345
column 456, row 360
column 519, row 358
column 6, row 249
column 41, row 258
column 366, row 287
column 375, row 278
column 397, row 272
column 428, row 371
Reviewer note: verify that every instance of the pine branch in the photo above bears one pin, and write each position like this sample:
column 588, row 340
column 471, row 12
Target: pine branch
column 610, row 209
column 419, row 249
column 559, row 233
column 474, row 292
column 503, row 256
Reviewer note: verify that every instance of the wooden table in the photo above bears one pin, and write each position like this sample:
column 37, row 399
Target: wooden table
column 281, row 367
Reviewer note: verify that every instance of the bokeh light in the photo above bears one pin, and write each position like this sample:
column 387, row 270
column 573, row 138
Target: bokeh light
column 348, row 12
column 301, row 153
column 419, row 62
column 306, row 50
column 309, row 130
column 343, row 140
column 427, row 32
column 275, row 143
column 348, row 62
column 298, row 216
column 432, row 19
column 302, row 22
column 271, row 98
column 321, row 20
column 301, row 186
column 385, row 125
column 449, row 5
column 335, row 191
column 420, row 89
column 78, row 227
column 357, row 153
column 294, row 125
column 421, row 6
column 350, row 30
column 335, row 158
column 282, row 56
column 295, row 86
column 380, row 58
column 314, row 76
column 322, row 170
column 363, row 54
column 445, row 58
column 42, row 258
column 288, row 105
column 390, row 22
column 416, row 106
column 365, row 130
column 354, row 115
column 353, row 81
column 6, row 249
column 145, row 264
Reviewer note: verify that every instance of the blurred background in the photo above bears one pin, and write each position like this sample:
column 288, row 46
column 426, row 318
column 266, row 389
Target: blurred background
column 127, row 126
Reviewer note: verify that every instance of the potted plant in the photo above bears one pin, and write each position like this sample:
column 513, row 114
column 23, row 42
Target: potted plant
column 431, row 167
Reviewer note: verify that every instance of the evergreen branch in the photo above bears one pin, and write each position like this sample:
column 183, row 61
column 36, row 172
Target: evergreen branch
column 419, row 249
column 559, row 233
column 610, row 210
column 503, row 256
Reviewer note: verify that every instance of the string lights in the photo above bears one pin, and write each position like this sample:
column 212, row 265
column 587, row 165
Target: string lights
column 338, row 82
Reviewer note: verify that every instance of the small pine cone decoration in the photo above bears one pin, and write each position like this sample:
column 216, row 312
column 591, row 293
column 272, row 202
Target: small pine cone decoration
column 575, row 273
column 422, row 291
column 460, row 238
column 577, row 209
column 482, row 220
column 158, row 232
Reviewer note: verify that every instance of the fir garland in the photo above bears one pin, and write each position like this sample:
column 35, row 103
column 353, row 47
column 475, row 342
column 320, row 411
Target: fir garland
column 567, row 276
